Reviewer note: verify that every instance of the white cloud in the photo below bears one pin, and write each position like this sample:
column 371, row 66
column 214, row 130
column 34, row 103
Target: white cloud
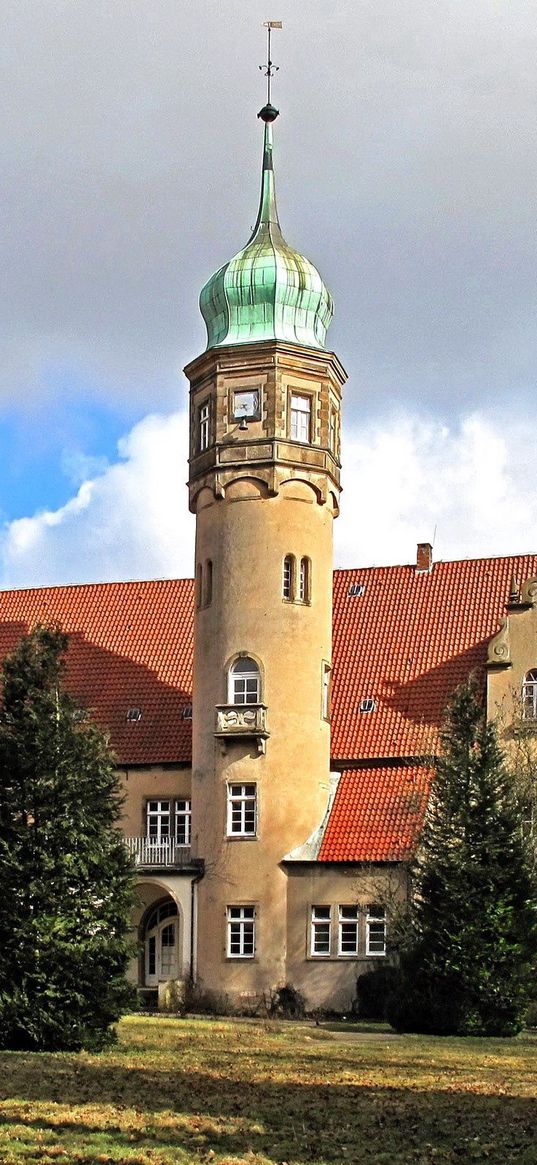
column 129, row 521
column 407, row 480
column 467, row 488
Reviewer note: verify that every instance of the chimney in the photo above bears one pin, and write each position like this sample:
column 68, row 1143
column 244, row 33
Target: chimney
column 424, row 558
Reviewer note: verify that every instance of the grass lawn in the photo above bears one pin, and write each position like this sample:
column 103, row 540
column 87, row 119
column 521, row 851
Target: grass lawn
column 193, row 1091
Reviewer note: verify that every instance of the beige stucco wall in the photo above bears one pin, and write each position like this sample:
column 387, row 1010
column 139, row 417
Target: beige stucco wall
column 256, row 503
column 330, row 981
column 144, row 783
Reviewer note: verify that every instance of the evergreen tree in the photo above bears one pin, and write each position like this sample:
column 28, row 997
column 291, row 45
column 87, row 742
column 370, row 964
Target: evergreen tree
column 65, row 876
column 471, row 938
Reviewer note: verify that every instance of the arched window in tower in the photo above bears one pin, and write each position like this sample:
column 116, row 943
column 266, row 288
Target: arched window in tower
column 244, row 682
column 304, row 581
column 529, row 695
column 208, row 595
column 288, row 580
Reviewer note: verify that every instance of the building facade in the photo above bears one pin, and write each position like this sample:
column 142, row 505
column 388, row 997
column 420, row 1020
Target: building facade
column 274, row 722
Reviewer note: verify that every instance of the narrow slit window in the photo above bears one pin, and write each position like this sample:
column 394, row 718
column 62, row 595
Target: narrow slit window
column 288, row 572
column 204, row 426
column 304, row 581
column 529, row 695
column 208, row 597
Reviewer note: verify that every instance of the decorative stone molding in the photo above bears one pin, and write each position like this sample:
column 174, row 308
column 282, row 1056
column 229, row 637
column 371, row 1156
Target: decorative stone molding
column 529, row 592
column 499, row 649
column 242, row 720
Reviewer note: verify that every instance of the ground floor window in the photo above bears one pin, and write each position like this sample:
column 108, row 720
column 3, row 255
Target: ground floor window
column 320, row 930
column 361, row 930
column 241, row 932
column 161, row 944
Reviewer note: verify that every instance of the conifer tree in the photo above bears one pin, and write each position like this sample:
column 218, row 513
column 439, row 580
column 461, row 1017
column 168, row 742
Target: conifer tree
column 471, row 939
column 65, row 876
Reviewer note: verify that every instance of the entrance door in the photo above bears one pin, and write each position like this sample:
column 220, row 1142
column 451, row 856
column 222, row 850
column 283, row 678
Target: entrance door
column 161, row 944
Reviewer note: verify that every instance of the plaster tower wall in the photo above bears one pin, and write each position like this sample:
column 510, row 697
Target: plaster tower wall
column 265, row 404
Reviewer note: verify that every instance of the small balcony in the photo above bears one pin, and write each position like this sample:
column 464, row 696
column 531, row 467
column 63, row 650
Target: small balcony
column 234, row 721
column 155, row 854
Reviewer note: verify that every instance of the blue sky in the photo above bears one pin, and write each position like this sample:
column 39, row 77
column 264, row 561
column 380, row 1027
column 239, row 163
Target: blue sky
column 406, row 159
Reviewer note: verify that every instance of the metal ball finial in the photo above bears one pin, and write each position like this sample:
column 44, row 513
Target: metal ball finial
column 268, row 113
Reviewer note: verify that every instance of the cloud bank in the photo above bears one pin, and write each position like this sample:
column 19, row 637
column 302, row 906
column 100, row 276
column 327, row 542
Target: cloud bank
column 409, row 480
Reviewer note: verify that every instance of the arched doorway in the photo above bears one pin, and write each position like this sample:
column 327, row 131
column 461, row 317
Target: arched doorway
column 160, row 934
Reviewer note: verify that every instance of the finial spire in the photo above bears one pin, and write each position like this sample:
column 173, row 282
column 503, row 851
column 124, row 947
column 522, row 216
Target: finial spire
column 269, row 113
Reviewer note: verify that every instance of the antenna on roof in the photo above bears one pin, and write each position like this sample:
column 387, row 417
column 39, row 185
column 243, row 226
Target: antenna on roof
column 270, row 69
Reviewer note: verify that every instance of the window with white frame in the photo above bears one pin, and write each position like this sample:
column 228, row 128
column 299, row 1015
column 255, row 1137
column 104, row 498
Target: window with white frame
column 183, row 819
column 348, row 919
column 288, row 577
column 300, row 418
column 168, row 820
column 241, row 932
column 320, row 930
column 375, row 930
column 204, row 426
column 244, row 682
column 304, row 580
column 242, row 810
column 529, row 695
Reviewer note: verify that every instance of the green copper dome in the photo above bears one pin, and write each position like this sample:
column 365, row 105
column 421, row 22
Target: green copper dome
column 268, row 291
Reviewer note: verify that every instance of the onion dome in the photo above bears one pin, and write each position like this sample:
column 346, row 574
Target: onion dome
column 268, row 291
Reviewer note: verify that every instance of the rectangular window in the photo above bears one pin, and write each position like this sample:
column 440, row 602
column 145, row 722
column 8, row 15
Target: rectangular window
column 320, row 930
column 325, row 691
column 241, row 810
column 168, row 821
column 287, row 585
column 183, row 817
column 375, row 931
column 300, row 418
column 241, row 932
column 332, row 430
column 158, row 821
column 348, row 930
column 204, row 426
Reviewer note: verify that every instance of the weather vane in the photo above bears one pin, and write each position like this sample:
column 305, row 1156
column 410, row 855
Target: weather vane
column 270, row 69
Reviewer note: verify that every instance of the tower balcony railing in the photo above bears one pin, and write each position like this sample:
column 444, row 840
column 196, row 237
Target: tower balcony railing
column 161, row 853
column 234, row 721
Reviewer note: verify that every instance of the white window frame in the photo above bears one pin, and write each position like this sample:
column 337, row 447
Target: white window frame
column 183, row 820
column 244, row 687
column 529, row 695
column 375, row 924
column 304, row 580
column 300, row 426
column 321, row 925
column 241, row 924
column 348, row 925
column 204, row 425
column 288, row 578
column 242, row 809
column 158, row 820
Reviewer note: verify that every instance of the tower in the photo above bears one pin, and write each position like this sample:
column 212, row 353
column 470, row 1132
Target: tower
column 265, row 402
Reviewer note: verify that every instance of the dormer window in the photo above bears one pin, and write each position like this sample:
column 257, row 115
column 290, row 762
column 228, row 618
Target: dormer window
column 529, row 695
column 134, row 714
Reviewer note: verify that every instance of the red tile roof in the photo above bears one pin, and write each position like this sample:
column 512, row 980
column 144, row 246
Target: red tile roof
column 406, row 643
column 377, row 815
column 130, row 646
